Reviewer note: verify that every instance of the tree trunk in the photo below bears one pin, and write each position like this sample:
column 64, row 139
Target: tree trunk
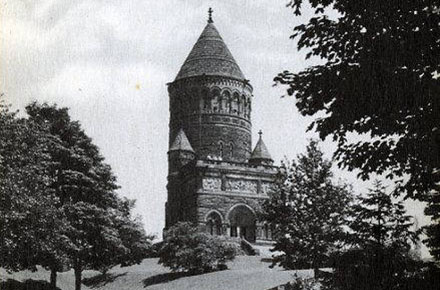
column 315, row 267
column 53, row 279
column 315, row 272
column 77, row 269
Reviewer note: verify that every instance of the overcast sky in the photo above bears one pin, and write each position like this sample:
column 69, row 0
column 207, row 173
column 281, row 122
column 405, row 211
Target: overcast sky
column 109, row 62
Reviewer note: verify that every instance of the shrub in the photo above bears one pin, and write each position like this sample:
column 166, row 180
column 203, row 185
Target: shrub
column 185, row 249
column 299, row 284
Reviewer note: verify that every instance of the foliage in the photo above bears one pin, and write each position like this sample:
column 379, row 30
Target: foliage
column 378, row 253
column 300, row 284
column 186, row 249
column 380, row 59
column 386, row 268
column 33, row 229
column 433, row 229
column 102, row 233
column 307, row 211
column 381, row 222
column 59, row 206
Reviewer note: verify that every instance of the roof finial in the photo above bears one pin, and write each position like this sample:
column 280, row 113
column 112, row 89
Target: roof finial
column 210, row 15
column 260, row 133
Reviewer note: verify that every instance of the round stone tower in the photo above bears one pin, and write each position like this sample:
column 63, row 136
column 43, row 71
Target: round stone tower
column 210, row 100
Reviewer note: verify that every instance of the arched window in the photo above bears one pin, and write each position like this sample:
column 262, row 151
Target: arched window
column 239, row 106
column 220, row 103
column 216, row 103
column 235, row 103
column 228, row 101
column 214, row 224
column 243, row 105
column 225, row 100
column 206, row 100
column 266, row 231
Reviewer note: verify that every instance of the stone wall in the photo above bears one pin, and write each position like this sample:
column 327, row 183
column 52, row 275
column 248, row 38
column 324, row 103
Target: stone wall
column 214, row 113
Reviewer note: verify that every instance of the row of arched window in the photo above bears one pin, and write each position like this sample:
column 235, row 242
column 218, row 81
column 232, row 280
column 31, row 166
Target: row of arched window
column 215, row 100
column 214, row 227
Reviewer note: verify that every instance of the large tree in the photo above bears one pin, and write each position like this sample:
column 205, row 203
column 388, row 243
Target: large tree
column 307, row 211
column 379, row 76
column 33, row 228
column 377, row 255
column 99, row 221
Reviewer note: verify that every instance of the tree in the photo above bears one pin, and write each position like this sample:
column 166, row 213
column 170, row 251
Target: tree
column 377, row 254
column 307, row 211
column 133, row 243
column 32, row 226
column 433, row 210
column 186, row 249
column 379, row 77
column 86, row 189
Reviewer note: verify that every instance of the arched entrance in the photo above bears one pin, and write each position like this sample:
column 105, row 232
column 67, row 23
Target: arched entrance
column 242, row 222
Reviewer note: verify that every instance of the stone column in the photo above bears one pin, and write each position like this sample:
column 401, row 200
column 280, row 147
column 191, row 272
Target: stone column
column 259, row 232
column 259, row 189
column 227, row 230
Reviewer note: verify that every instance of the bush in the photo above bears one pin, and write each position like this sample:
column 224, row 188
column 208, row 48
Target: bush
column 299, row 284
column 381, row 269
column 185, row 249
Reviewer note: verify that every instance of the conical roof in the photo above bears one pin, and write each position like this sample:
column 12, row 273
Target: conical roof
column 210, row 56
column 181, row 142
column 260, row 152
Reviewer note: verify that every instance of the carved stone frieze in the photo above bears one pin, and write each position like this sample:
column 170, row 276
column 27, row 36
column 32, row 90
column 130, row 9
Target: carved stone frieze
column 211, row 183
column 248, row 186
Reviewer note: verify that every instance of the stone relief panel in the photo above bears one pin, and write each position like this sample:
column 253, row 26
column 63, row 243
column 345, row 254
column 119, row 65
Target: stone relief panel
column 248, row 186
column 210, row 183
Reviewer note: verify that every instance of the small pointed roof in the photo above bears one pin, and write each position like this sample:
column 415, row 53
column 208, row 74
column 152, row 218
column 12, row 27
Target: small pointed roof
column 210, row 56
column 260, row 152
column 181, row 142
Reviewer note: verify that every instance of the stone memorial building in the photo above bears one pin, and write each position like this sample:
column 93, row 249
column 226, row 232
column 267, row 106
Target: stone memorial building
column 215, row 178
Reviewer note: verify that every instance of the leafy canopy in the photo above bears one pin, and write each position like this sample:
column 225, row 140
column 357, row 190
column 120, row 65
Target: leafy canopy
column 307, row 209
column 33, row 229
column 186, row 249
column 59, row 207
column 379, row 77
column 377, row 254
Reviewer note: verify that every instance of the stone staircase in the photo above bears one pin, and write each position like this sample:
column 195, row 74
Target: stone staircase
column 260, row 248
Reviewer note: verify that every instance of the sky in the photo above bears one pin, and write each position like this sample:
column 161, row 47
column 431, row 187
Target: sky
column 109, row 61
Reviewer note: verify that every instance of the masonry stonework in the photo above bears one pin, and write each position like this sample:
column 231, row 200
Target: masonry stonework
column 215, row 179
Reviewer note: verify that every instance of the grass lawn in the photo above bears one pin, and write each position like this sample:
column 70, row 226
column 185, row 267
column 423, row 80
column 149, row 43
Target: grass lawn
column 245, row 272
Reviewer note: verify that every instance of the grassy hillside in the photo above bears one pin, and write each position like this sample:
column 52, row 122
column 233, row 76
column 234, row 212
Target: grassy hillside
column 245, row 272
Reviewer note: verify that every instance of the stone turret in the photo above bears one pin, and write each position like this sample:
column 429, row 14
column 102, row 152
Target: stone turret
column 260, row 155
column 180, row 152
column 210, row 99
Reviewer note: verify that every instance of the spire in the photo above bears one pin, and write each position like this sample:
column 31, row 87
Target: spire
column 210, row 56
column 210, row 15
column 260, row 155
column 181, row 143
